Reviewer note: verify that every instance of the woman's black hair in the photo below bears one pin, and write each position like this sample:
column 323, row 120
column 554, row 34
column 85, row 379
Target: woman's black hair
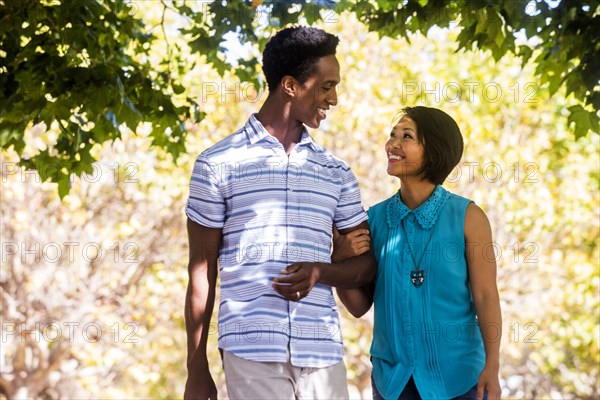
column 441, row 139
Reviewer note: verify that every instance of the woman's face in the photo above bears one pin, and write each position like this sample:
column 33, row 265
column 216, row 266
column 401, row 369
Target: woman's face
column 405, row 152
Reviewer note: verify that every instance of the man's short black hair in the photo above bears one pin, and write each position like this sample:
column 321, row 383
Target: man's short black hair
column 294, row 52
column 442, row 141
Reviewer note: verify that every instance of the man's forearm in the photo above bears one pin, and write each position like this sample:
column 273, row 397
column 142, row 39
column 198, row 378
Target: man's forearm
column 200, row 296
column 194, row 327
column 198, row 312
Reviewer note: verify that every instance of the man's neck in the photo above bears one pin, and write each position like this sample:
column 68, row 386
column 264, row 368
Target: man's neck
column 275, row 117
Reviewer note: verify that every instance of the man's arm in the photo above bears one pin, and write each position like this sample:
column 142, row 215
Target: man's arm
column 204, row 246
column 299, row 278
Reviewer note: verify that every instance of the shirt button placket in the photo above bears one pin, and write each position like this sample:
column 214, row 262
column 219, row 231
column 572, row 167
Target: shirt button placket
column 410, row 241
column 290, row 183
column 410, row 227
column 289, row 194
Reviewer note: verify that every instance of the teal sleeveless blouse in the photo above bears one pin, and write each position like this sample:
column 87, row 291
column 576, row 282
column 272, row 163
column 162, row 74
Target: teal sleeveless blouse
column 431, row 331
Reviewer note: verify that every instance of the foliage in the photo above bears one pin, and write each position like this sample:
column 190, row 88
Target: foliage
column 537, row 185
column 562, row 38
column 83, row 68
column 83, row 279
column 78, row 323
column 90, row 68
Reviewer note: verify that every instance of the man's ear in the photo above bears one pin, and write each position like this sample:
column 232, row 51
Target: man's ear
column 289, row 86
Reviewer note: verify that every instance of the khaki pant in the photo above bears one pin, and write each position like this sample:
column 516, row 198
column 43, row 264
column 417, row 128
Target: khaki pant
column 272, row 380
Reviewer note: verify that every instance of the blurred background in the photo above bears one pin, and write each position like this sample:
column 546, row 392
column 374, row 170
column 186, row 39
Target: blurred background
column 93, row 284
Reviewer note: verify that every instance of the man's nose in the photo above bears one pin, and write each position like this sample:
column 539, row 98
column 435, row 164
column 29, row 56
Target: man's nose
column 333, row 98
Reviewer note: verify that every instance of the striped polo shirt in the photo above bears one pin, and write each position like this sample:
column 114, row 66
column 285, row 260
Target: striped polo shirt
column 274, row 210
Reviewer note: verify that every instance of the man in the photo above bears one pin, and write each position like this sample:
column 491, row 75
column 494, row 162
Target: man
column 263, row 201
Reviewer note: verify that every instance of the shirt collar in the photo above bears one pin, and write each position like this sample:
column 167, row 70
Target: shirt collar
column 427, row 213
column 256, row 132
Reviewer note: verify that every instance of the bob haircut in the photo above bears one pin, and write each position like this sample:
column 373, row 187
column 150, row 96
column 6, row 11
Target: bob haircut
column 441, row 139
column 294, row 51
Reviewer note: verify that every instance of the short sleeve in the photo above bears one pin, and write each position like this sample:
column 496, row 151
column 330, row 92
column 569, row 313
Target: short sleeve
column 205, row 205
column 349, row 212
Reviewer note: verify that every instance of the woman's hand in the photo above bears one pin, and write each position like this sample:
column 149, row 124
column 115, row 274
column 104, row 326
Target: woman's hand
column 488, row 382
column 350, row 245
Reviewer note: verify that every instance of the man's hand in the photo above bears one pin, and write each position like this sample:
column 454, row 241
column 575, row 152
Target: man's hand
column 200, row 387
column 199, row 384
column 297, row 281
column 350, row 245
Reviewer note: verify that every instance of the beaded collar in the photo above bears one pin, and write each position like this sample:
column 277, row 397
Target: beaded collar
column 427, row 213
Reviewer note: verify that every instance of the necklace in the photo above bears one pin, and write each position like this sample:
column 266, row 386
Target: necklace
column 417, row 276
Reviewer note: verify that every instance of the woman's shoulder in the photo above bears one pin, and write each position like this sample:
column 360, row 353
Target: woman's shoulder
column 471, row 212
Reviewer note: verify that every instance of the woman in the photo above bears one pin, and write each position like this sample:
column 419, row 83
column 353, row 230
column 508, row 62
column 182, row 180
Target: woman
column 438, row 323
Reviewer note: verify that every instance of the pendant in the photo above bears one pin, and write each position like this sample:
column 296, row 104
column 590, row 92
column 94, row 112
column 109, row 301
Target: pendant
column 417, row 276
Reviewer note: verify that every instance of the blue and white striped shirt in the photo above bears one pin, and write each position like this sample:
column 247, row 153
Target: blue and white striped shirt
column 274, row 210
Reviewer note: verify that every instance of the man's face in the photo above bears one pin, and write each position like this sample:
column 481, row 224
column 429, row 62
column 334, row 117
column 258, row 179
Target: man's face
column 317, row 94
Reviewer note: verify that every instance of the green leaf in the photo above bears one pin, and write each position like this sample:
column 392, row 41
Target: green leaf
column 584, row 120
column 94, row 61
column 177, row 89
column 64, row 186
column 482, row 22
